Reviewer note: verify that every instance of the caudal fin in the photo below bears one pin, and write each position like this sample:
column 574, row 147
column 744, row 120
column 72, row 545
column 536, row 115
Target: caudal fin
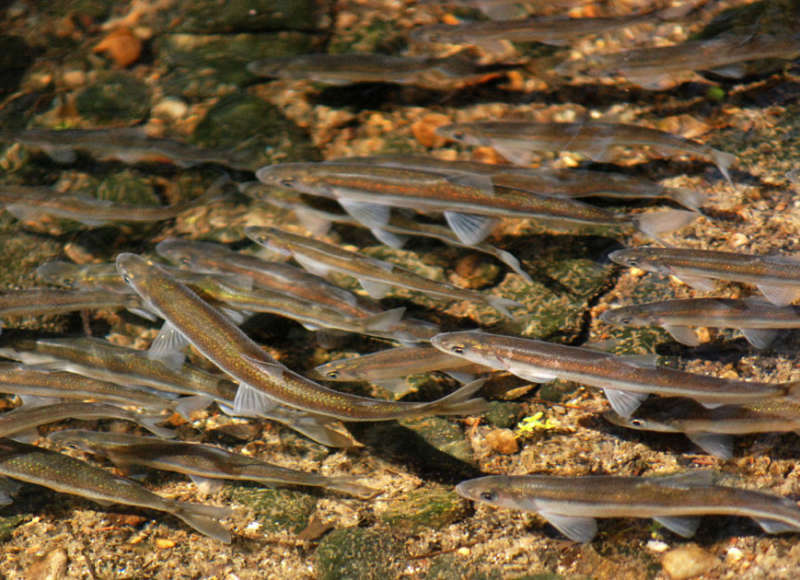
column 349, row 487
column 655, row 223
column 459, row 403
column 203, row 518
column 502, row 304
column 723, row 160
column 691, row 198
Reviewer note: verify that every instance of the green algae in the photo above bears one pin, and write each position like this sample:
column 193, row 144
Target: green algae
column 502, row 414
column 358, row 553
column 425, row 508
column 442, row 435
column 114, row 99
column 275, row 509
column 209, row 16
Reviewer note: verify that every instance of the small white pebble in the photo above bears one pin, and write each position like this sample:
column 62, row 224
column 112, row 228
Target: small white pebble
column 657, row 546
column 733, row 555
column 170, row 108
column 253, row 526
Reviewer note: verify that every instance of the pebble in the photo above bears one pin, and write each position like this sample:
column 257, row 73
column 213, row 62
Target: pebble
column 687, row 562
column 170, row 108
column 51, row 567
column 122, row 46
column 425, row 129
column 502, row 441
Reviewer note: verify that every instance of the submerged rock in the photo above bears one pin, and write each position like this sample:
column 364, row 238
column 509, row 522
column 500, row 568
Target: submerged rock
column 358, row 553
column 425, row 507
column 253, row 15
column 114, row 99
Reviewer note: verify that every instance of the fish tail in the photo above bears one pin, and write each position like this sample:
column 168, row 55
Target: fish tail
column 691, row 198
column 149, row 422
column 792, row 390
column 348, row 486
column 655, row 223
column 203, row 518
column 502, row 304
column 459, row 403
column 723, row 160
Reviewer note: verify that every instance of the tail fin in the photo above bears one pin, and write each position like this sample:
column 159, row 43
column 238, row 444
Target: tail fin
column 691, row 198
column 203, row 518
column 502, row 304
column 149, row 423
column 459, row 403
column 792, row 390
column 348, row 486
column 723, row 160
column 654, row 224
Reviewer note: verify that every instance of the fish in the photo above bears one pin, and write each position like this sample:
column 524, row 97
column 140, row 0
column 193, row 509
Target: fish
column 65, row 474
column 344, row 69
column 27, row 382
column 263, row 381
column 556, row 31
column 105, row 361
column 494, row 9
column 30, row 203
column 375, row 276
column 470, row 203
column 48, row 302
column 384, row 368
column 517, row 140
column 200, row 462
column 216, row 258
column 778, row 277
column 574, row 183
column 626, row 381
column 27, row 418
column 663, row 67
column 126, row 144
column 83, row 276
column 756, row 319
column 676, row 501
column 711, row 429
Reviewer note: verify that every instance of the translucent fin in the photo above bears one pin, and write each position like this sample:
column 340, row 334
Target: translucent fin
column 492, row 46
column 187, row 406
column 142, row 312
column 462, row 378
column 168, row 347
column 482, row 183
column 385, row 321
column 392, row 240
column 760, row 337
column 685, row 526
column 371, row 215
column 715, row 444
column 502, row 304
column 61, row 154
column 375, row 289
column 647, row 361
column 323, row 430
column 576, row 528
column 250, row 402
column 517, row 154
column 397, row 386
column 312, row 220
column 691, row 198
column 203, row 518
column 694, row 478
column 682, row 334
column 25, row 436
column 723, row 161
column 780, row 295
column 347, row 486
column 624, row 402
column 459, row 403
column 150, row 422
column 731, row 71
column 512, row 262
column 312, row 265
column 775, row 527
column 206, row 485
column 469, row 228
column 522, row 371
column 696, row 282
column 31, row 401
column 653, row 224
column 24, row 212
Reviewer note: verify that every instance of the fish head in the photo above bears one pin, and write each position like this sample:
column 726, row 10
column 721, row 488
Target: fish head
column 60, row 273
column 337, row 370
column 271, row 238
column 495, row 490
column 622, row 317
column 178, row 252
column 468, row 344
column 459, row 132
column 435, row 34
column 661, row 414
column 75, row 439
column 293, row 176
column 642, row 258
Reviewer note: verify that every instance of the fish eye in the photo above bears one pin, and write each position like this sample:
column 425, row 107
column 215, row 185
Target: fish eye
column 126, row 278
column 637, row 422
column 457, row 348
column 632, row 262
column 186, row 261
column 459, row 135
column 287, row 181
column 333, row 374
column 68, row 281
column 626, row 320
column 488, row 495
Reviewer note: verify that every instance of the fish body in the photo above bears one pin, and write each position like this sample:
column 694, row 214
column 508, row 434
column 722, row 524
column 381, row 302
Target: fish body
column 263, row 381
column 757, row 319
column 375, row 275
column 626, row 381
column 68, row 475
column 778, row 277
column 127, row 144
column 571, row 504
column 516, row 140
column 27, row 418
column 84, row 276
column 664, row 66
column 345, row 69
column 202, row 461
column 711, row 429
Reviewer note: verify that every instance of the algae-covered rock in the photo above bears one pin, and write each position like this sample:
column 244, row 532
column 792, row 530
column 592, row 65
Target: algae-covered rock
column 114, row 99
column 128, row 187
column 276, row 508
column 358, row 553
column 8, row 523
column 448, row 567
column 257, row 130
column 252, row 15
column 442, row 435
column 503, row 414
column 425, row 507
column 203, row 65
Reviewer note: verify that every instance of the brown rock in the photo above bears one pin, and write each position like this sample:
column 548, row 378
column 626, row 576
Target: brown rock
column 687, row 562
column 122, row 46
column 51, row 567
column 502, row 441
column 425, row 129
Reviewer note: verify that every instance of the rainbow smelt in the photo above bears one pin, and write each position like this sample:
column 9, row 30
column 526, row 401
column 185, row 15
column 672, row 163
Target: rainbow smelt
column 677, row 501
column 200, row 462
column 757, row 319
column 65, row 474
column 264, row 382
column 626, row 381
column 778, row 277
column 471, row 204
column 711, row 429
column 517, row 140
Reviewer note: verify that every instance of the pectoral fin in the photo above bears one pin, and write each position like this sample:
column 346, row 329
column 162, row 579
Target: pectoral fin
column 685, row 526
column 575, row 528
column 470, row 229
column 624, row 402
column 169, row 347
column 682, row 334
